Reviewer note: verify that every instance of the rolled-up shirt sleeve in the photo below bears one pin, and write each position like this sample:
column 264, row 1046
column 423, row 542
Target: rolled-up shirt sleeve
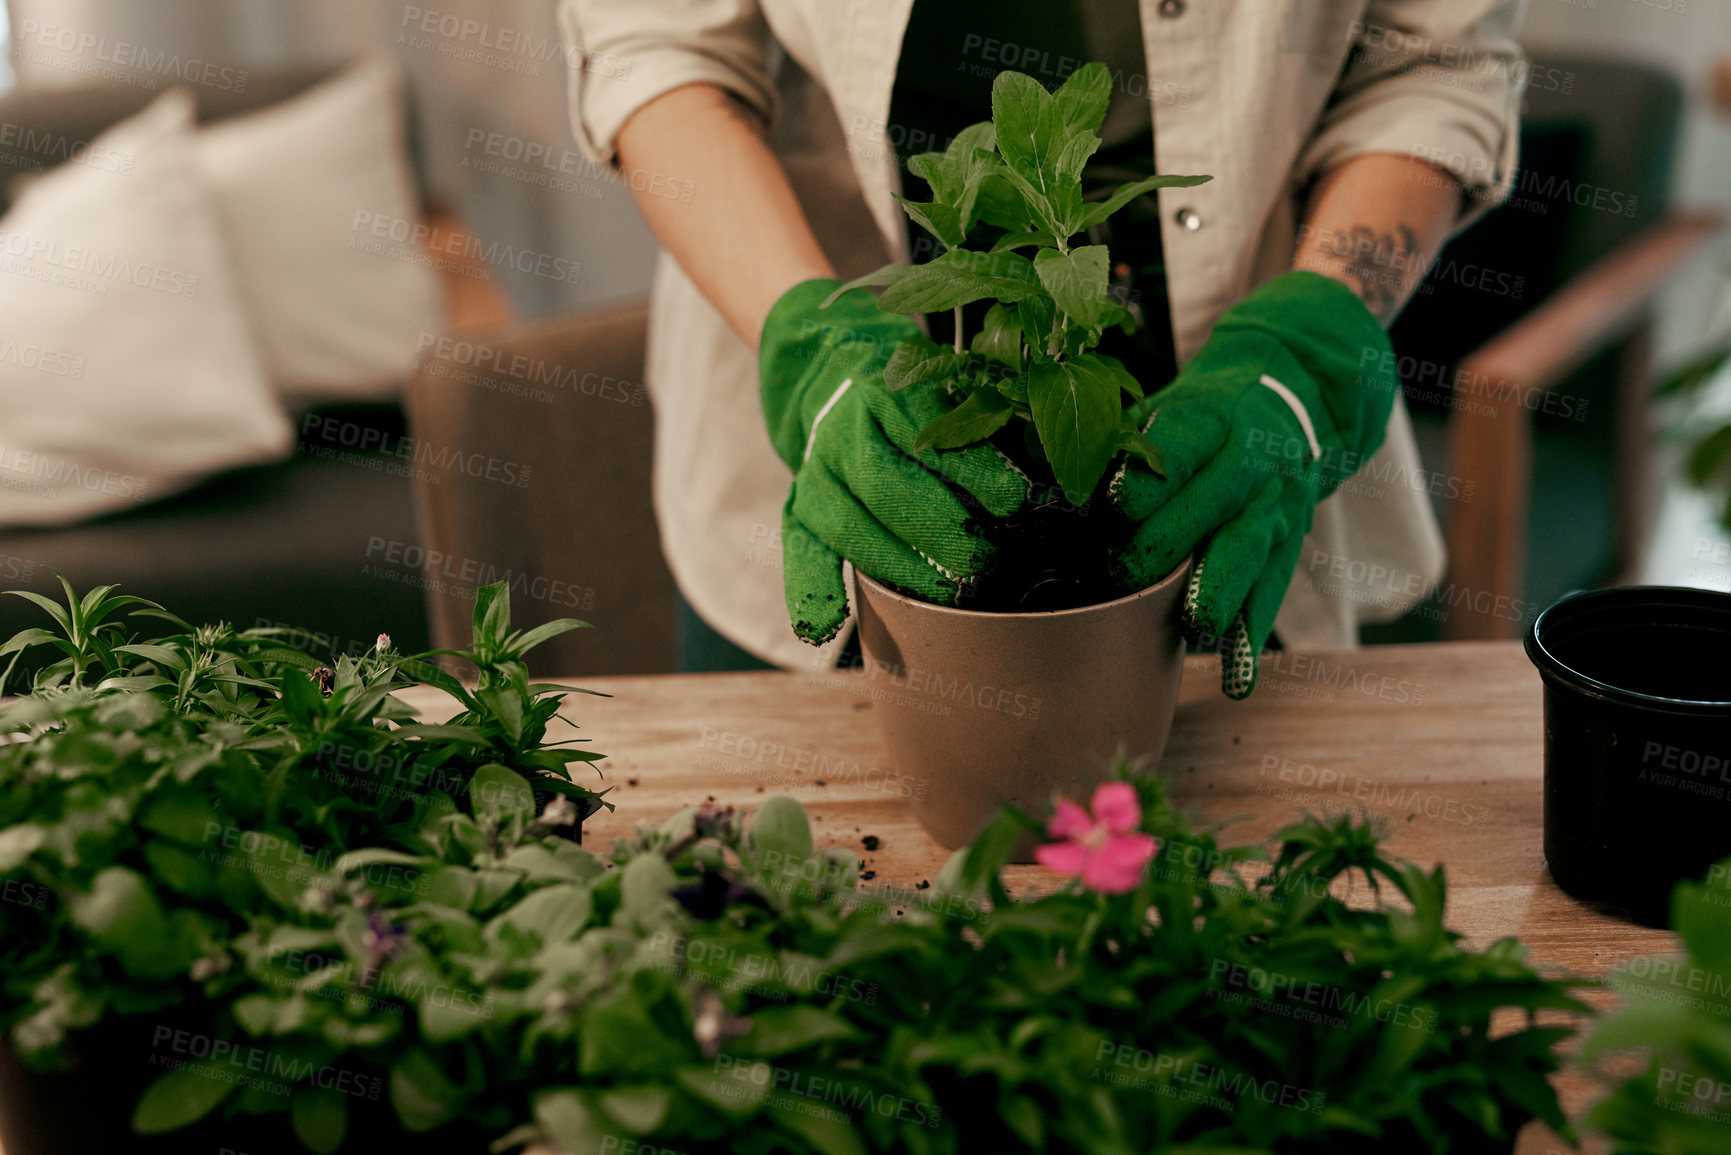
column 1436, row 80
column 622, row 54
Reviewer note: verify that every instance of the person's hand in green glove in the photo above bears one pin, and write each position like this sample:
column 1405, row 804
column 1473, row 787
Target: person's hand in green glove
column 860, row 490
column 1287, row 399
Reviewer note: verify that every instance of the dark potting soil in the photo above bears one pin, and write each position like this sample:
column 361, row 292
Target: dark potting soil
column 1054, row 556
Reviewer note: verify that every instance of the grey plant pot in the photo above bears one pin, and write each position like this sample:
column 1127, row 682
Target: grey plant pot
column 981, row 709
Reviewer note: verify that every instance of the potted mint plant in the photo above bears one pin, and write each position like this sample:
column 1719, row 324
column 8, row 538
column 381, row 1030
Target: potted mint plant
column 1045, row 665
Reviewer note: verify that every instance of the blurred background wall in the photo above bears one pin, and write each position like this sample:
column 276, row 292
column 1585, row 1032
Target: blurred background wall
column 463, row 86
column 503, row 80
column 1687, row 37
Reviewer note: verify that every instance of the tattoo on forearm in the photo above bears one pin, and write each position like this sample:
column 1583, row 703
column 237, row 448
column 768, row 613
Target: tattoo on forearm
column 1384, row 270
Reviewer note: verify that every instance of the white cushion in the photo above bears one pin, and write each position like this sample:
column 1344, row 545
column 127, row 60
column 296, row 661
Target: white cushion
column 127, row 367
column 303, row 188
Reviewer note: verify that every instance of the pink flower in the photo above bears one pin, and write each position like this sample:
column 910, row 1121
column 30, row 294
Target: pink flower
column 1105, row 848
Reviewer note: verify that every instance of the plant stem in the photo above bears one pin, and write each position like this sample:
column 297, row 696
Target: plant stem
column 958, row 328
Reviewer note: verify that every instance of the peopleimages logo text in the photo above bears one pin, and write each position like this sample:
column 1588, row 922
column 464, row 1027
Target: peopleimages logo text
column 124, row 54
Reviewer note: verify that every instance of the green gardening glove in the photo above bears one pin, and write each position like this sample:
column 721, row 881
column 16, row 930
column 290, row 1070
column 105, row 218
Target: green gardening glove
column 860, row 491
column 1286, row 400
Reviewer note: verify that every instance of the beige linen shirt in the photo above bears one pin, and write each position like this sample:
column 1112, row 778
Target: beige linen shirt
column 1266, row 95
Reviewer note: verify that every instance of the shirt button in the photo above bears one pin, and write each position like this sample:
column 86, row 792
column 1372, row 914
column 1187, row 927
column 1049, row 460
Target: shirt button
column 1171, row 9
column 1189, row 220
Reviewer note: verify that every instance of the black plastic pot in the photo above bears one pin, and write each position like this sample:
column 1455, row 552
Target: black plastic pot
column 1637, row 741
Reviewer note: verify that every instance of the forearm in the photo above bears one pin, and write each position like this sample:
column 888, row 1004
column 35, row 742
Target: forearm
column 1375, row 224
column 743, row 238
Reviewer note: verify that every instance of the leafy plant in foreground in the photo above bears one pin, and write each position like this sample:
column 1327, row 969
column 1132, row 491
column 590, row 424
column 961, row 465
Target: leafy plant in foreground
column 720, row 983
column 756, row 1002
column 172, row 791
column 1032, row 358
column 1678, row 1011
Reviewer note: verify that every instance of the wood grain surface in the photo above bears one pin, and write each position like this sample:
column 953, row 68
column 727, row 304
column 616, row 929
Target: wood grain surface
column 1444, row 741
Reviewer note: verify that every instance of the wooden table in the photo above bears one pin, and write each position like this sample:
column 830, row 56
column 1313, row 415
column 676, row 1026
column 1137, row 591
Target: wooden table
column 1443, row 739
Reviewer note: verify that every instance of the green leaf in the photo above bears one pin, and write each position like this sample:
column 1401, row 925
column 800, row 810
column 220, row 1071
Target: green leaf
column 975, row 152
column 639, row 1109
column 1014, row 389
column 1711, row 455
column 301, row 700
column 256, row 1013
column 178, row 1099
column 972, row 874
column 179, row 869
column 1038, row 209
column 506, row 704
column 1022, row 1115
column 1082, row 99
column 825, row 1128
column 1030, row 238
column 937, row 170
column 960, row 277
column 422, row 1095
column 955, row 175
column 165, row 656
column 1000, row 336
column 644, row 889
column 1078, row 282
column 280, row 865
column 450, row 1015
column 547, row 631
column 1039, row 315
column 122, row 914
column 1001, row 205
column 1072, row 159
column 320, row 1117
column 501, row 793
column 491, row 886
column 1125, row 379
column 53, row 608
column 18, row 843
column 1132, row 441
column 566, row 1120
column 1096, row 213
column 940, row 220
column 23, row 640
column 878, row 278
column 619, row 1039
column 185, row 815
column 1076, row 410
column 738, row 1090
column 539, row 864
column 1030, row 125
column 552, row 914
column 439, row 732
column 379, row 855
column 782, row 1030
column 920, row 359
column 492, row 614
column 984, row 413
column 781, row 827
column 1701, row 921
column 452, row 886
